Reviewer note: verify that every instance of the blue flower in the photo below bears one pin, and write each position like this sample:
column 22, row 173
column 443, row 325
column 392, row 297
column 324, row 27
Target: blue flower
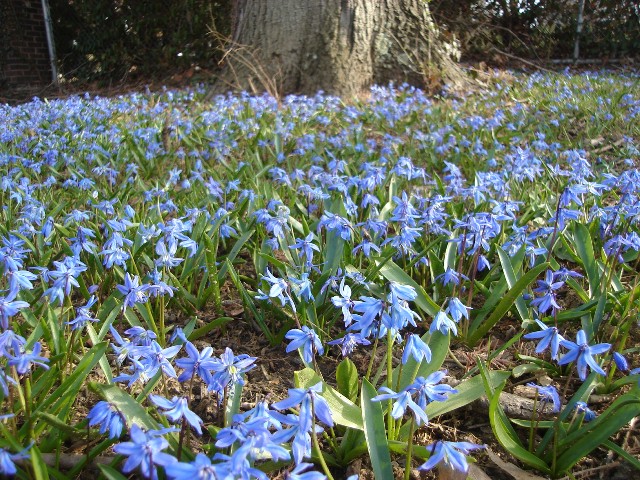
column 279, row 288
column 430, row 390
column 302, row 287
column 344, row 302
column 402, row 400
column 547, row 288
column 132, row 290
column 548, row 336
column 582, row 408
column 443, row 323
column 349, row 342
column 417, row 349
column 621, row 362
column 582, row 353
column 8, row 308
column 230, row 369
column 84, row 315
column 548, row 394
column 299, row 473
column 309, row 401
column 201, row 468
column 177, row 409
column 108, row 417
column 7, row 465
column 23, row 360
column 199, row 363
column 453, row 454
column 306, row 248
column 144, row 450
column 456, row 309
column 306, row 339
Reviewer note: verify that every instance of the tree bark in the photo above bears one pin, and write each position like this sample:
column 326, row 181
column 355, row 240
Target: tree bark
column 338, row 46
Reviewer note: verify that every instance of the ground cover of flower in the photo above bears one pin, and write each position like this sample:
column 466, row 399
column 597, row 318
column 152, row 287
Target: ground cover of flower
column 310, row 287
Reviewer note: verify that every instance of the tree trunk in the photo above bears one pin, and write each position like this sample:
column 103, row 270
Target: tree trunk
column 338, row 46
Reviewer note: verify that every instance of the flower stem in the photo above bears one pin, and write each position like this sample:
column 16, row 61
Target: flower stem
column 316, row 445
column 407, row 468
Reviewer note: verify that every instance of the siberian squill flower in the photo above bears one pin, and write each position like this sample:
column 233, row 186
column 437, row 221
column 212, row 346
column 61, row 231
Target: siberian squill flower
column 452, row 454
column 310, row 402
column 582, row 353
column 144, row 450
column 84, row 315
column 108, row 417
column 349, row 342
column 196, row 362
column 132, row 290
column 302, row 472
column 306, row 339
column 548, row 394
column 344, row 302
column 582, row 408
column 7, row 465
column 177, row 410
column 548, row 336
column 443, row 323
column 416, row 348
column 23, row 360
column 230, row 368
column 306, row 248
column 201, row 468
column 547, row 287
column 402, row 400
column 8, row 308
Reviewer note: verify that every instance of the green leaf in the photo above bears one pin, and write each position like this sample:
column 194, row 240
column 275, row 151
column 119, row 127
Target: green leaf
column 504, row 432
column 111, row 473
column 347, row 379
column 584, row 249
column 623, row 453
column 60, row 400
column 208, row 327
column 592, row 434
column 126, row 404
column 37, row 463
column 103, row 362
column 468, row 391
column 249, row 304
column 512, row 278
column 233, row 406
column 506, row 303
column 375, row 433
column 234, row 252
column 343, row 411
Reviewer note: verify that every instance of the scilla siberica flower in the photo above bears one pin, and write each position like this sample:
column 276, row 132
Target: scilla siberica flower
column 547, row 287
column 144, row 450
column 548, row 336
column 306, row 339
column 177, row 410
column 548, row 394
column 201, row 468
column 425, row 390
column 582, row 353
column 310, row 402
column 108, row 417
column 452, row 454
column 7, row 465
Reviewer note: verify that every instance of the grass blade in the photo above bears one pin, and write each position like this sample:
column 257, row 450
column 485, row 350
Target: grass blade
column 375, row 433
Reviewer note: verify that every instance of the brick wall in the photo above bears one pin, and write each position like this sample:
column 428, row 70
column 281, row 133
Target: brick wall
column 24, row 55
